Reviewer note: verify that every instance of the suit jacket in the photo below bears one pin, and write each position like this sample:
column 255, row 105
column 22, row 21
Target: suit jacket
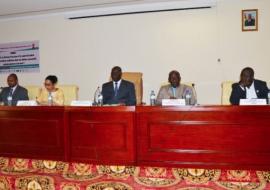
column 20, row 93
column 238, row 93
column 126, row 93
column 165, row 92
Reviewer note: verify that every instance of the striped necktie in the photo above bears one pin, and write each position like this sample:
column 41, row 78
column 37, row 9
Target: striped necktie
column 115, row 89
column 10, row 92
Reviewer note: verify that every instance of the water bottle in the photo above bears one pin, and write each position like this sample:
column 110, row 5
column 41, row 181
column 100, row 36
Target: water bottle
column 152, row 98
column 98, row 98
column 188, row 97
column 50, row 99
column 9, row 100
column 1, row 103
column 269, row 98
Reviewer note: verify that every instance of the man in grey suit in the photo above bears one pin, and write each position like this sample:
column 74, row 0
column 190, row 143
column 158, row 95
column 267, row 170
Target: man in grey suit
column 175, row 90
column 14, row 90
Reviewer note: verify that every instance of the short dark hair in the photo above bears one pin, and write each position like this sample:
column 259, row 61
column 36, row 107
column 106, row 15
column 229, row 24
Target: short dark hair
column 248, row 69
column 13, row 75
column 117, row 68
column 174, row 72
column 52, row 78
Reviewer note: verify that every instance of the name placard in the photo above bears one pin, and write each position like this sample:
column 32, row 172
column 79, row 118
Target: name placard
column 173, row 102
column 250, row 102
column 81, row 103
column 27, row 103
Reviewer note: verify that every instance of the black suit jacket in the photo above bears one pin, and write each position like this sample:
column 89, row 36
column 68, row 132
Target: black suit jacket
column 126, row 93
column 238, row 93
column 20, row 93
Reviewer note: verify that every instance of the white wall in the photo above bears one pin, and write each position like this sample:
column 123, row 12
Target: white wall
column 83, row 51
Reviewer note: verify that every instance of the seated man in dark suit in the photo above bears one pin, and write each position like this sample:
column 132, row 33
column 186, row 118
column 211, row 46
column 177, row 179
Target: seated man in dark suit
column 248, row 87
column 14, row 90
column 118, row 91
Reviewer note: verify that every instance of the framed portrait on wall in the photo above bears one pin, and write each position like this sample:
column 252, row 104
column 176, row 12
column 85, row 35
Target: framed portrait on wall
column 250, row 20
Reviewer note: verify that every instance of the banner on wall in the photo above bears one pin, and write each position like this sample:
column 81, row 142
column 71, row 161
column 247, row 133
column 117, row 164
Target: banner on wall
column 19, row 57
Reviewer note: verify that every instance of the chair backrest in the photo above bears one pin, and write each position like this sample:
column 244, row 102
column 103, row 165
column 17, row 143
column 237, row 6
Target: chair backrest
column 33, row 91
column 226, row 87
column 70, row 92
column 185, row 83
column 136, row 79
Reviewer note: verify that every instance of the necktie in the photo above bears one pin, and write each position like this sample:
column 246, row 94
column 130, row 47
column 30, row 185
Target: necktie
column 10, row 92
column 115, row 89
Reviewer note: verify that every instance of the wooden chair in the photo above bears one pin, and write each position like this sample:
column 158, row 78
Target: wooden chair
column 226, row 87
column 136, row 79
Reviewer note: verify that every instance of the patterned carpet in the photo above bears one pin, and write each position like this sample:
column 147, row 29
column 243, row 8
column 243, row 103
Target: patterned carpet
column 24, row 174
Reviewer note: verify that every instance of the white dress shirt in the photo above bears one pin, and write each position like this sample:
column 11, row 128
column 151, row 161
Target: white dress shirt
column 250, row 92
column 13, row 89
column 174, row 92
column 118, row 84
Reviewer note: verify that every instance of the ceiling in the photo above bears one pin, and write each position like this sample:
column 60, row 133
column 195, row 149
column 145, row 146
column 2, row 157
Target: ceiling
column 15, row 8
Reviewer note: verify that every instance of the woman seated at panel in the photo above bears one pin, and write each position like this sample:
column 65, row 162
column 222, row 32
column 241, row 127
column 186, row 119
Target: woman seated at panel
column 51, row 95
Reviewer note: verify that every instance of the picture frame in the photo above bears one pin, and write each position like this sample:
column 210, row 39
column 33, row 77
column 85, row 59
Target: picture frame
column 250, row 20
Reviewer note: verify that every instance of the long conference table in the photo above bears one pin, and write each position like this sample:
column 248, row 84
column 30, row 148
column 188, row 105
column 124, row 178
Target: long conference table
column 236, row 137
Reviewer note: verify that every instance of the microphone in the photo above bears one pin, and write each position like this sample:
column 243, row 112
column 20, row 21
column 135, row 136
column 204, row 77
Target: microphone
column 195, row 93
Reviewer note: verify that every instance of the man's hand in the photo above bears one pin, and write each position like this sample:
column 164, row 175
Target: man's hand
column 242, row 84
